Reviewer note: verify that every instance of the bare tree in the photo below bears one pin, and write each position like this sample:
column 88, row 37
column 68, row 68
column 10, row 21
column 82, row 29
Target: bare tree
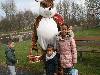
column 9, row 8
column 93, row 12
column 63, row 9
column 66, row 6
column 75, row 14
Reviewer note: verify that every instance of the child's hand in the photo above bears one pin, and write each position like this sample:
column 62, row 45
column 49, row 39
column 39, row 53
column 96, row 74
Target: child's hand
column 17, row 61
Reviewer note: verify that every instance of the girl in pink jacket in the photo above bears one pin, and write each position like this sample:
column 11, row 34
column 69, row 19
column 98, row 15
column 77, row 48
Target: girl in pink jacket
column 66, row 47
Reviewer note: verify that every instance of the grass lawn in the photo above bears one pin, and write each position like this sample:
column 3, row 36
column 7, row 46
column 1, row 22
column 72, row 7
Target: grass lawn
column 89, row 66
column 22, row 50
column 89, row 32
column 91, row 62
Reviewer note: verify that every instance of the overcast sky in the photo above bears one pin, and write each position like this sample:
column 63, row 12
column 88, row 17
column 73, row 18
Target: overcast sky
column 30, row 5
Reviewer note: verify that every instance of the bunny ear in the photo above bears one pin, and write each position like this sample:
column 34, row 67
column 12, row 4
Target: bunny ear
column 38, row 0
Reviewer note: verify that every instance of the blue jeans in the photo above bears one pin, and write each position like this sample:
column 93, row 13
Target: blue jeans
column 11, row 70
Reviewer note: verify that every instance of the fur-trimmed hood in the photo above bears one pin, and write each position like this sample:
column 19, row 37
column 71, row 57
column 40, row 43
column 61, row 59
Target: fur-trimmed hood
column 52, row 56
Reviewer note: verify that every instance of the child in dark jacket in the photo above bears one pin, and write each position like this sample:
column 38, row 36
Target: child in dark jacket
column 51, row 61
column 10, row 57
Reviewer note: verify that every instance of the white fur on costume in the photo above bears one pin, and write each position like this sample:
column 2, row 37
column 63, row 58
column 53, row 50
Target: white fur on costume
column 47, row 29
column 46, row 32
column 45, row 12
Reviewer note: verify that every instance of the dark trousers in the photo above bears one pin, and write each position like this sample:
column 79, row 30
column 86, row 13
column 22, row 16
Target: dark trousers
column 66, row 71
column 49, row 73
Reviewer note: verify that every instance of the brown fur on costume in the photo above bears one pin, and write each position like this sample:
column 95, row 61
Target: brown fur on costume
column 44, row 4
column 34, row 37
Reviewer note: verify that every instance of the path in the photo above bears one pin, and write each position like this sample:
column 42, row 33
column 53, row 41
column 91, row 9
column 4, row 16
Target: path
column 3, row 71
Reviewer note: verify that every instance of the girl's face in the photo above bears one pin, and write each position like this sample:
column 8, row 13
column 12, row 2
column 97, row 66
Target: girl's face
column 64, row 30
column 49, row 51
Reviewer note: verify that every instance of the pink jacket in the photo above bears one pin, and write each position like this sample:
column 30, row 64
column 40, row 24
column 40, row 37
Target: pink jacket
column 67, row 49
